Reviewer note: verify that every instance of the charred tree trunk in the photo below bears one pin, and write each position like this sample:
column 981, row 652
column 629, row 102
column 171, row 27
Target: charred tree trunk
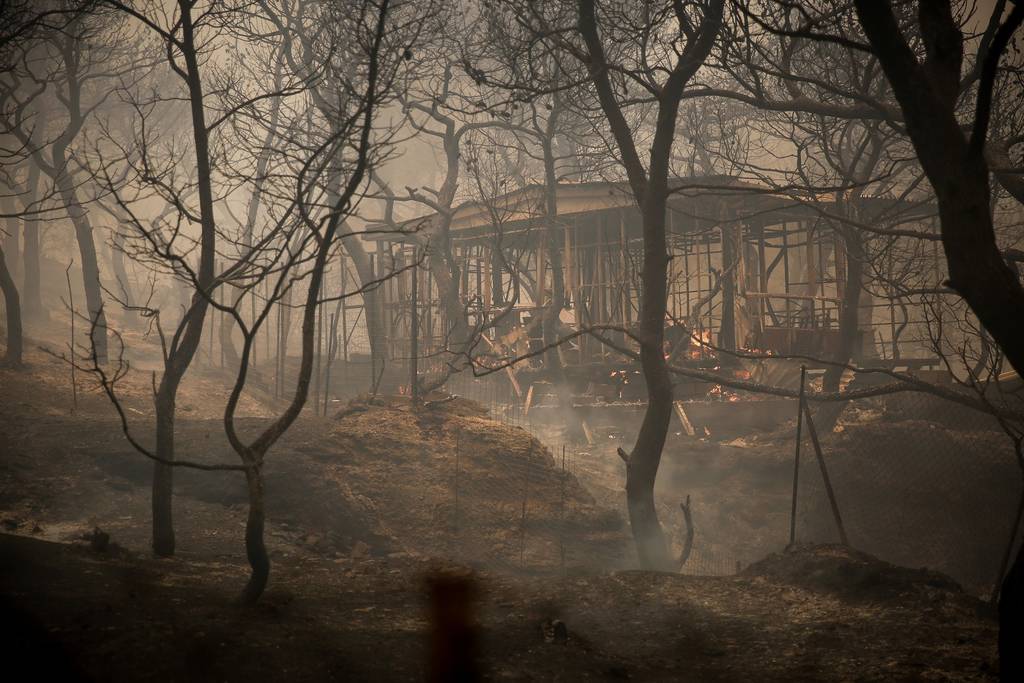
column 12, row 306
column 163, row 477
column 87, row 252
column 227, row 323
column 849, row 328
column 552, row 320
column 650, row 190
column 849, row 315
column 179, row 357
column 928, row 94
column 254, row 454
column 227, row 344
column 255, row 548
column 642, row 465
column 1011, row 621
column 32, row 300
column 448, row 275
column 120, row 272
column 993, row 291
column 372, row 309
column 12, row 240
column 497, row 269
column 367, row 276
column 553, row 311
column 371, row 303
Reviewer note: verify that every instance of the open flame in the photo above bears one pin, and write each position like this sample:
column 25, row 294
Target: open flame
column 699, row 343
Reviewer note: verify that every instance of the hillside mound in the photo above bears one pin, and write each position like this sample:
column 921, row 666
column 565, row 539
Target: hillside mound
column 853, row 575
column 445, row 481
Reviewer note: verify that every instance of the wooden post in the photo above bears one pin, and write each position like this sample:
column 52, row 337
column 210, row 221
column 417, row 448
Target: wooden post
column 796, row 459
column 785, row 271
column 587, row 433
column 812, row 273
column 762, row 275
column 727, row 329
column 684, row 418
column 487, row 297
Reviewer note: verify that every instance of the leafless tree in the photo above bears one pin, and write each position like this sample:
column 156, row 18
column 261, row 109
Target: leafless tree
column 637, row 59
column 180, row 39
column 952, row 152
column 68, row 71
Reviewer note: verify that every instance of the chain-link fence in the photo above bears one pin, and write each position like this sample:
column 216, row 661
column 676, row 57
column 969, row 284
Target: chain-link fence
column 916, row 480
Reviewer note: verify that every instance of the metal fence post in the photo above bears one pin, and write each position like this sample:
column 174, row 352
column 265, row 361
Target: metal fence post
column 458, row 445
column 824, row 476
column 796, row 459
column 522, row 522
column 561, row 514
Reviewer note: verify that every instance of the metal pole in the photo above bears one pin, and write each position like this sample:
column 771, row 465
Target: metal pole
column 277, row 350
column 522, row 523
column 458, row 445
column 71, row 351
column 824, row 477
column 561, row 513
column 414, row 324
column 219, row 295
column 344, row 311
column 280, row 374
column 796, row 460
column 332, row 349
column 318, row 384
column 252, row 321
column 213, row 332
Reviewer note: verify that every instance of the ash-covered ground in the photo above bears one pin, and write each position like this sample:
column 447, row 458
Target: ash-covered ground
column 365, row 504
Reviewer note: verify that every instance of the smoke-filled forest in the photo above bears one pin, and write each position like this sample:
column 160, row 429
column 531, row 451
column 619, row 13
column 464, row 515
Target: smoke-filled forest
column 457, row 340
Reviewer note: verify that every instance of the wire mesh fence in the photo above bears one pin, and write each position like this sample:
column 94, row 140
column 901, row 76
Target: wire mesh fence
column 495, row 393
column 918, row 481
column 594, row 519
column 524, row 508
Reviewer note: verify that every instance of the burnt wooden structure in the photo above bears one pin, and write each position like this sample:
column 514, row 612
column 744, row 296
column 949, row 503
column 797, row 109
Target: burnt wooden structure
column 750, row 269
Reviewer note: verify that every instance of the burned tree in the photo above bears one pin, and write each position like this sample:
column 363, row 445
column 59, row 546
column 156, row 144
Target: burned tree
column 956, row 165
column 181, row 45
column 12, row 307
column 299, row 24
column 59, row 71
column 348, row 151
column 652, row 63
